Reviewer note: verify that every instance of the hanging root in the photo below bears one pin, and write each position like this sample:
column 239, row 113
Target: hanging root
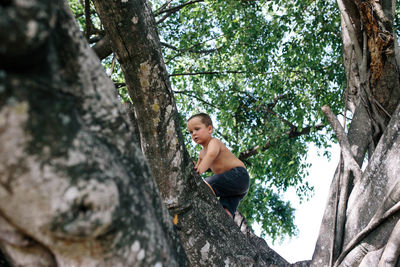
column 389, row 207
column 344, row 143
column 392, row 249
column 344, row 179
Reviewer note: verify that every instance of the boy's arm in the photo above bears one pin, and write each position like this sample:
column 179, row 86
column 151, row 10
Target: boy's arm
column 213, row 149
column 196, row 164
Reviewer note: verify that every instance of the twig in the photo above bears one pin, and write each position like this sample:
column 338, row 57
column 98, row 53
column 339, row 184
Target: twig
column 188, row 93
column 207, row 73
column 87, row 19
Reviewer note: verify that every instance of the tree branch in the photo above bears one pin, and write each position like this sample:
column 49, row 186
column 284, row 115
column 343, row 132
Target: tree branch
column 392, row 249
column 195, row 96
column 208, row 73
column 206, row 51
column 103, row 48
column 161, row 8
column 343, row 141
column 172, row 10
column 291, row 134
column 87, row 19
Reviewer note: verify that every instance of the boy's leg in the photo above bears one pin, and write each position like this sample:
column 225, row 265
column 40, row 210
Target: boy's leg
column 228, row 212
column 230, row 204
column 210, row 187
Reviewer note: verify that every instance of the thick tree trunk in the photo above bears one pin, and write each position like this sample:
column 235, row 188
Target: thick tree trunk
column 75, row 190
column 372, row 94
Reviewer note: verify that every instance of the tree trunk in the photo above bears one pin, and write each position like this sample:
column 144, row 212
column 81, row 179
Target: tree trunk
column 372, row 95
column 75, row 190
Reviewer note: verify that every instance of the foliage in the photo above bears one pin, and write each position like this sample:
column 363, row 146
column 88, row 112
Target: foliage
column 262, row 69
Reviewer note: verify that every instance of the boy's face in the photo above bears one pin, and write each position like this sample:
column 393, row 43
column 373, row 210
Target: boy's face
column 199, row 131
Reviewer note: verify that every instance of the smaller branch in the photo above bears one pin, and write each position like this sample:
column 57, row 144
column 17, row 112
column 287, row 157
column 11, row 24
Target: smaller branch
column 119, row 85
column 191, row 50
column 175, row 8
column 87, row 19
column 343, row 141
column 285, row 121
column 162, row 7
column 188, row 93
column 170, row 11
column 111, row 70
column 207, row 73
column 291, row 134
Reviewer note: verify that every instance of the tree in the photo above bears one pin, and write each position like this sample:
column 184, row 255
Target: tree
column 359, row 223
column 64, row 135
column 72, row 144
column 249, row 65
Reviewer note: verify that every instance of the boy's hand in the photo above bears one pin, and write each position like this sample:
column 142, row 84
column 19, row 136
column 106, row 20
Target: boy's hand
column 195, row 167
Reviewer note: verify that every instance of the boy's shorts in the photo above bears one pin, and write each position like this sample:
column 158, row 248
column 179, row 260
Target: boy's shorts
column 230, row 187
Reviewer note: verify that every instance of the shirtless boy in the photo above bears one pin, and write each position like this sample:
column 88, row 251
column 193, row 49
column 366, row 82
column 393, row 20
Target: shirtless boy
column 231, row 180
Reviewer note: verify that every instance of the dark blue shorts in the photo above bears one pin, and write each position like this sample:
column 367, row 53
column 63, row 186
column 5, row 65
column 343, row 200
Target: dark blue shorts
column 230, row 187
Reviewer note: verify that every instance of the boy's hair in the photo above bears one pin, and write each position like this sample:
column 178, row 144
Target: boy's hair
column 205, row 118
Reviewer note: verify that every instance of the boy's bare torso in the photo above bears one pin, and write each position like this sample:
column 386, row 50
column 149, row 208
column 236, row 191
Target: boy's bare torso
column 224, row 161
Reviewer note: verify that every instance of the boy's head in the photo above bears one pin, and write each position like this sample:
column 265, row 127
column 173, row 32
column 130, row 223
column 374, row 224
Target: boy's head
column 200, row 128
column 204, row 118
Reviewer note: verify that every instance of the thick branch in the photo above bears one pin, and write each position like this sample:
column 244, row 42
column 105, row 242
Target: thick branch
column 389, row 207
column 351, row 31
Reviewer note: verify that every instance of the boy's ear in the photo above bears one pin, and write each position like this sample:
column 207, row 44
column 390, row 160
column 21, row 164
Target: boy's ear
column 210, row 128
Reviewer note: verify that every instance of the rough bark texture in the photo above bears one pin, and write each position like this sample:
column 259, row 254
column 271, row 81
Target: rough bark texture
column 75, row 190
column 372, row 96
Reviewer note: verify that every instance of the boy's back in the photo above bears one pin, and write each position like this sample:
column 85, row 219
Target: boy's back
column 224, row 161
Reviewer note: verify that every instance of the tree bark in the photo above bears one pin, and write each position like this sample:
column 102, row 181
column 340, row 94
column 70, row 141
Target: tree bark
column 372, row 96
column 75, row 190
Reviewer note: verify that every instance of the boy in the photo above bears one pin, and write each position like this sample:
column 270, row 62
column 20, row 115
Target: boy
column 231, row 180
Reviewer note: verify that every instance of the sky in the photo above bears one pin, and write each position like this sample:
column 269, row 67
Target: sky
column 308, row 215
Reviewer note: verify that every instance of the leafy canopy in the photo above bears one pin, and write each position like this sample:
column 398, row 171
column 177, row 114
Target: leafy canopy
column 262, row 69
